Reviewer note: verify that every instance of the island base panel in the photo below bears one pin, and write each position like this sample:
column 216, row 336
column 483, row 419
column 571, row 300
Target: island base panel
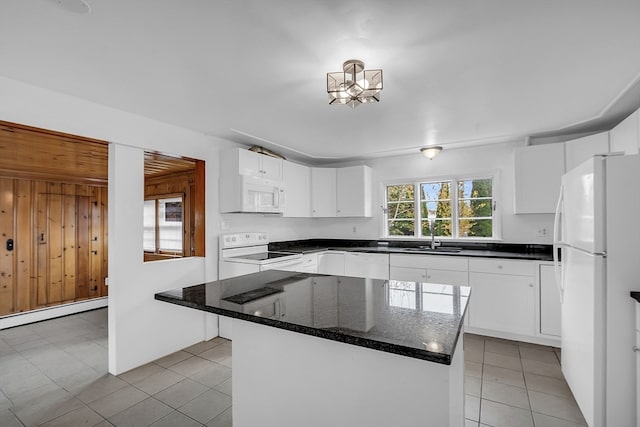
column 289, row 379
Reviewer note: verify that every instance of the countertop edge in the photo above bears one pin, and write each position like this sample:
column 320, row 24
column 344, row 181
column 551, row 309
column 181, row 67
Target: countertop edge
column 397, row 349
column 635, row 295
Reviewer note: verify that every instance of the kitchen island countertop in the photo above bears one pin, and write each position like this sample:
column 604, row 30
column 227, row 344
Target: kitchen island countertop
column 417, row 320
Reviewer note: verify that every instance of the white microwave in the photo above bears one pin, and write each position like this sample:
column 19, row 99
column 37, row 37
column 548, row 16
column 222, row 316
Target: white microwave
column 252, row 194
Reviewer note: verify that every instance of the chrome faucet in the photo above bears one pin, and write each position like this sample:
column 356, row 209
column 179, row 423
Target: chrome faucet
column 432, row 226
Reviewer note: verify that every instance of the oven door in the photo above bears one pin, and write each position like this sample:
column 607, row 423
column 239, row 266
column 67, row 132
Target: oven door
column 287, row 264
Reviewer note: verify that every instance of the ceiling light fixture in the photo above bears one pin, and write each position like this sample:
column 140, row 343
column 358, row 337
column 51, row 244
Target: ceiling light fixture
column 76, row 6
column 431, row 152
column 354, row 85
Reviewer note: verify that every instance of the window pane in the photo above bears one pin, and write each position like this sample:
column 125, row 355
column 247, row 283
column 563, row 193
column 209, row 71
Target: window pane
column 170, row 224
column 402, row 192
column 400, row 210
column 149, row 221
column 442, row 227
column 476, row 227
column 400, row 227
column 475, row 212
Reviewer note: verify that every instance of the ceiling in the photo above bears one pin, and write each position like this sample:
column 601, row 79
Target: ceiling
column 456, row 73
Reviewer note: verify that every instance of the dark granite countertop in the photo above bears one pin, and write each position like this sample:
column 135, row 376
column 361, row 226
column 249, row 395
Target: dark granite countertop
column 418, row 320
column 635, row 296
column 467, row 249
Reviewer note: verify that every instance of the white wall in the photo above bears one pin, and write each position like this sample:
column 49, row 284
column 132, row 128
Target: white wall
column 140, row 328
column 466, row 161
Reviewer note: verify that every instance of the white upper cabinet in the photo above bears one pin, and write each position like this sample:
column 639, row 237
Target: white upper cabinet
column 297, row 182
column 579, row 150
column 354, row 191
column 626, row 136
column 259, row 165
column 323, row 192
column 343, row 192
column 538, row 170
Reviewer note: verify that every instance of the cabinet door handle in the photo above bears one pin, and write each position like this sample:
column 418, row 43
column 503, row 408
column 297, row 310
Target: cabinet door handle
column 499, row 267
column 635, row 348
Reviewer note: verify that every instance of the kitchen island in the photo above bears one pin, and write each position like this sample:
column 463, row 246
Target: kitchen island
column 318, row 350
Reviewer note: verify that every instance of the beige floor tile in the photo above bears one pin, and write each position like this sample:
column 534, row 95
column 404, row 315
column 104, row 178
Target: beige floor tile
column 176, row 419
column 181, row 393
column 472, row 386
column 213, row 375
column 225, row 387
column 225, row 419
column 542, row 368
column 503, row 375
column 140, row 373
column 473, row 369
column 206, row 406
column 548, row 356
column 205, row 345
column 469, row 423
column 500, row 415
column 472, row 408
column 556, row 406
column 474, row 355
column 549, row 385
column 507, row 394
column 144, row 413
column 105, row 385
column 532, row 346
column 173, row 358
column 542, row 420
column 218, row 353
column 118, row 401
column 503, row 361
column 191, row 365
column 82, row 416
column 501, row 347
column 158, row 382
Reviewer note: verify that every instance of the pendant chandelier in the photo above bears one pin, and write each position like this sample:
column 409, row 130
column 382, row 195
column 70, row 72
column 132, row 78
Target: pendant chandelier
column 354, row 85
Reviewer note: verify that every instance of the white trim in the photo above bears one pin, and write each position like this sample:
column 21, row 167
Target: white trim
column 19, row 319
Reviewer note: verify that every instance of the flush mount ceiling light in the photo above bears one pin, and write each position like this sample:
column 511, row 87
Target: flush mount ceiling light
column 431, row 152
column 354, row 85
column 76, row 6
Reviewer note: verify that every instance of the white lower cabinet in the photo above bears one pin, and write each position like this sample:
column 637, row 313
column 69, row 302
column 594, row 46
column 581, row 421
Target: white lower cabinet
column 367, row 265
column 549, row 301
column 502, row 302
column 331, row 262
column 447, row 270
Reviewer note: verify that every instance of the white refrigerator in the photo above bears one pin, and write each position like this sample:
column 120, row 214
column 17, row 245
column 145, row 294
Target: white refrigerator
column 597, row 233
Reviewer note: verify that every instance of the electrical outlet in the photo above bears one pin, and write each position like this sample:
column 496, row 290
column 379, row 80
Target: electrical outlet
column 354, row 229
column 542, row 232
column 224, row 225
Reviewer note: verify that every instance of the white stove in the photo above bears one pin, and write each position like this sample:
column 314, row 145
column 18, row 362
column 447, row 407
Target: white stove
column 246, row 253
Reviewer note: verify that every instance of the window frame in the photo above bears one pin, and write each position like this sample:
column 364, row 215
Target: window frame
column 158, row 250
column 494, row 176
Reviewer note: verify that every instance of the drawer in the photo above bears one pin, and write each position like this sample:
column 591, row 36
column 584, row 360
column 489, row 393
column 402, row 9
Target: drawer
column 408, row 274
column 501, row 266
column 440, row 262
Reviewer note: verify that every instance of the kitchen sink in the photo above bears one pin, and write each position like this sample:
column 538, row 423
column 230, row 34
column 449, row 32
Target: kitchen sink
column 442, row 249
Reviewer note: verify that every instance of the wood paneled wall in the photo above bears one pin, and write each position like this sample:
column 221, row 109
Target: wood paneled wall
column 53, row 205
column 60, row 243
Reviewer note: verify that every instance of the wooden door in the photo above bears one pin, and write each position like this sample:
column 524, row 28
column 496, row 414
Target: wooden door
column 64, row 252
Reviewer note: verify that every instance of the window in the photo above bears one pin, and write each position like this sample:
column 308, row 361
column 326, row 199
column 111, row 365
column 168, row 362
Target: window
column 163, row 225
column 457, row 208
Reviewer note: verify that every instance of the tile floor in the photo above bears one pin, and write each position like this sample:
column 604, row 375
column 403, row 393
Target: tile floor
column 54, row 373
column 516, row 384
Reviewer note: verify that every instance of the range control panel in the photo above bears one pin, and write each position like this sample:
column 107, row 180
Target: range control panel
column 240, row 240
